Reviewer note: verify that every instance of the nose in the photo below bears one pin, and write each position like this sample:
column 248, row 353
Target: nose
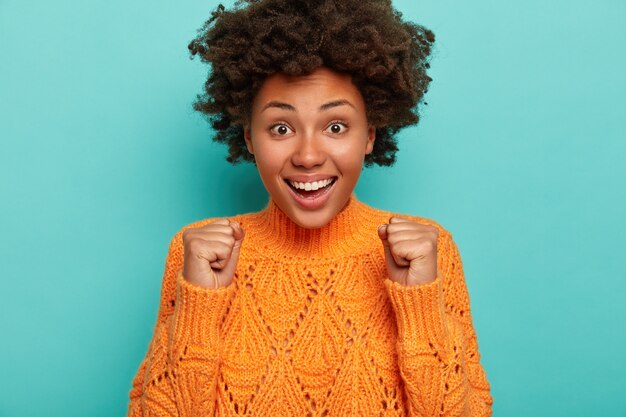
column 309, row 152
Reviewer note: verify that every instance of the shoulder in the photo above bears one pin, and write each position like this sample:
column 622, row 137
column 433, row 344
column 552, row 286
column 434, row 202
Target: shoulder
column 240, row 218
column 446, row 247
column 383, row 216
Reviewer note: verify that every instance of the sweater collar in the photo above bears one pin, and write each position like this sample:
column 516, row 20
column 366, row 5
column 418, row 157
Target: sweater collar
column 349, row 231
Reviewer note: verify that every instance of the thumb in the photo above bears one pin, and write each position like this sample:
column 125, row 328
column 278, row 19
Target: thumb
column 382, row 234
column 395, row 265
column 226, row 274
column 238, row 234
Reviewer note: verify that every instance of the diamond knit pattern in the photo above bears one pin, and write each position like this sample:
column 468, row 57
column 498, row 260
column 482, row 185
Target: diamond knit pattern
column 311, row 326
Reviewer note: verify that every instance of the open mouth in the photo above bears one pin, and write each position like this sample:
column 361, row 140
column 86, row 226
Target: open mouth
column 311, row 190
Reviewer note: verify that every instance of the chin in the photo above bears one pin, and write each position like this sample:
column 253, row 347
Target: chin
column 310, row 220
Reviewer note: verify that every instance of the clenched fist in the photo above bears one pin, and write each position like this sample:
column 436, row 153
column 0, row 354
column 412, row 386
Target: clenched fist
column 211, row 253
column 410, row 251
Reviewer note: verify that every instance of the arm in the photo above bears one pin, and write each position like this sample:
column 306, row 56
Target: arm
column 437, row 344
column 179, row 373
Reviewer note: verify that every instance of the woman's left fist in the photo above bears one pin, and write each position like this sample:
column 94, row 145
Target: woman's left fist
column 410, row 251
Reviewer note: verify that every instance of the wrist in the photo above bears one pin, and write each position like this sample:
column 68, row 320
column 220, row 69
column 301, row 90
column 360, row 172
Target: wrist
column 203, row 279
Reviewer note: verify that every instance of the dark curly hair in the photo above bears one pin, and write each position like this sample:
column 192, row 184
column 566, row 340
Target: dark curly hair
column 386, row 56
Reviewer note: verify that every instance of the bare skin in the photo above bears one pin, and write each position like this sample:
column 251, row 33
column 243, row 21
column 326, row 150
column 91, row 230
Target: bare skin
column 211, row 253
column 309, row 126
column 410, row 251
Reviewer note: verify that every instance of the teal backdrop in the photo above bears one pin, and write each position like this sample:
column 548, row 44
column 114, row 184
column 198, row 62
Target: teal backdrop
column 520, row 154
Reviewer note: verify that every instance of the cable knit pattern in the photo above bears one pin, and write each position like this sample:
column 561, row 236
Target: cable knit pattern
column 311, row 326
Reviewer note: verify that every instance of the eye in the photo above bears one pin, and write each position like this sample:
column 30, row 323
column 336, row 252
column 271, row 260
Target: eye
column 280, row 129
column 337, row 128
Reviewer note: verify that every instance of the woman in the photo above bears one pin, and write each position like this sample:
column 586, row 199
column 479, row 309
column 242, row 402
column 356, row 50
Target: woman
column 319, row 304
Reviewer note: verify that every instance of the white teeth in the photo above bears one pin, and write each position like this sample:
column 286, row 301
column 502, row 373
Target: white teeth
column 308, row 186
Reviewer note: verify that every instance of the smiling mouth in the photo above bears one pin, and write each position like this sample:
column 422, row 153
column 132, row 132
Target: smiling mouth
column 311, row 190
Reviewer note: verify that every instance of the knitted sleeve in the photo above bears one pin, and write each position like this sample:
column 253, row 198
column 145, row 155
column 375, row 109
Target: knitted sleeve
column 178, row 375
column 437, row 345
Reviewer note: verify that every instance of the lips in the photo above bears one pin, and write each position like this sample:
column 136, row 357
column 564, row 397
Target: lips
column 311, row 199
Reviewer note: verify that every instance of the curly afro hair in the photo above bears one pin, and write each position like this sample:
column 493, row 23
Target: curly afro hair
column 386, row 56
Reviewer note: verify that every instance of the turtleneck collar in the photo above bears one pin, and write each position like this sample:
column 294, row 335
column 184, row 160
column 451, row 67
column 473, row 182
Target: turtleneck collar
column 349, row 231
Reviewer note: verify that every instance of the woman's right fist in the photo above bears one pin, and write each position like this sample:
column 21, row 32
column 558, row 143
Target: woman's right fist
column 211, row 253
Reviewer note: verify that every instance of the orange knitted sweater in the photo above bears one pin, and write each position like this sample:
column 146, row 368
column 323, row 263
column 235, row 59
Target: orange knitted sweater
column 311, row 326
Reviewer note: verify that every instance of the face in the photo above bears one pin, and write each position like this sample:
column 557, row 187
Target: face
column 309, row 136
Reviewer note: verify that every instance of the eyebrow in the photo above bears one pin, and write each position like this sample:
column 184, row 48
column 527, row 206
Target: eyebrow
column 278, row 105
column 323, row 107
column 335, row 103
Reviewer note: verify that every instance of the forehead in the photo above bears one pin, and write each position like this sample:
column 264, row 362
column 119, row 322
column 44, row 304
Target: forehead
column 320, row 86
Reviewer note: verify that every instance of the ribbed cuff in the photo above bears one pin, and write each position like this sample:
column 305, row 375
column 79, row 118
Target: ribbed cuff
column 419, row 312
column 199, row 313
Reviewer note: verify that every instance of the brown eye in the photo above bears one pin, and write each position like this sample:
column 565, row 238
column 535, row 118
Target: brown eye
column 337, row 128
column 280, row 129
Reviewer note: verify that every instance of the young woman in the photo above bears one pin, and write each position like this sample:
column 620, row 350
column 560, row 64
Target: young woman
column 318, row 305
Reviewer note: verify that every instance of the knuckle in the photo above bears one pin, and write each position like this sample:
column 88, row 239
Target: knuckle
column 392, row 238
column 428, row 245
column 224, row 229
column 194, row 245
column 219, row 250
column 222, row 250
column 396, row 247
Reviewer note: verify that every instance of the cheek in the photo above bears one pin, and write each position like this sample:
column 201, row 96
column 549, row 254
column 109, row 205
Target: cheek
column 349, row 158
column 269, row 161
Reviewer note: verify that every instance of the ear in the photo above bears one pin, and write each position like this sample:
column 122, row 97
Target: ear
column 248, row 138
column 371, row 137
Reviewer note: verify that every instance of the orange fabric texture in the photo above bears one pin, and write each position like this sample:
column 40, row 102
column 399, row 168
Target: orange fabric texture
column 311, row 326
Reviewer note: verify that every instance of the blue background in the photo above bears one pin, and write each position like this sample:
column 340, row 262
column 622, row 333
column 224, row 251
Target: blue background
column 520, row 154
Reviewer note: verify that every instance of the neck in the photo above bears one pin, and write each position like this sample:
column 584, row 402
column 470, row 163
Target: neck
column 347, row 232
